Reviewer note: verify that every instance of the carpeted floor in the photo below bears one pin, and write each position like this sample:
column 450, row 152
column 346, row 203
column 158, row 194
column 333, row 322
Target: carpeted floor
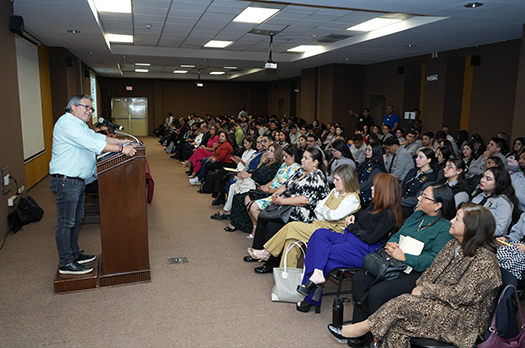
column 214, row 300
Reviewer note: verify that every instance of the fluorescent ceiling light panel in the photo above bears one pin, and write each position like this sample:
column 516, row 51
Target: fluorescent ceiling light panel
column 230, row 67
column 180, row 71
column 187, row 66
column 120, row 38
column 255, row 15
column 115, row 6
column 141, row 70
column 374, row 24
column 143, row 64
column 217, row 73
column 218, row 44
column 304, row 48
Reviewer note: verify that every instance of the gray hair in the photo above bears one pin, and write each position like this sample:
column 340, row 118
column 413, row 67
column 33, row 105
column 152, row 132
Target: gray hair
column 75, row 100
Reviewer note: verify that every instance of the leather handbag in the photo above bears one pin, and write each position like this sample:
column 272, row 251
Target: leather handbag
column 494, row 340
column 287, row 279
column 275, row 212
column 383, row 266
column 257, row 194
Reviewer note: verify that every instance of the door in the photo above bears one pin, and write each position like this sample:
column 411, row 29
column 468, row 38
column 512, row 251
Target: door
column 132, row 114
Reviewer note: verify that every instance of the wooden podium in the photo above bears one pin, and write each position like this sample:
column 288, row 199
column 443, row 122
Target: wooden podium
column 123, row 220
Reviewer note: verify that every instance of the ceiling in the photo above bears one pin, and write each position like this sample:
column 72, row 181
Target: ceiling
column 178, row 30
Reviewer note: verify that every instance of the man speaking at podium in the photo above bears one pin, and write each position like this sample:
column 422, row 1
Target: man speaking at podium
column 73, row 160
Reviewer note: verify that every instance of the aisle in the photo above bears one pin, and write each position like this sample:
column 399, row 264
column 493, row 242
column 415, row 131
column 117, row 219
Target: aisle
column 213, row 300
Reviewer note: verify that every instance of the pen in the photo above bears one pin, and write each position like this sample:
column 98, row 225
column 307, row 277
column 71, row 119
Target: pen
column 504, row 243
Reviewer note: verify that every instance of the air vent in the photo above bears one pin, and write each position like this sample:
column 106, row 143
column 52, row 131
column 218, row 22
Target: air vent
column 333, row 38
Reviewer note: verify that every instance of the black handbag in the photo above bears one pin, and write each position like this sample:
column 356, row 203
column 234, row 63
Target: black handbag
column 275, row 212
column 257, row 194
column 383, row 266
column 26, row 211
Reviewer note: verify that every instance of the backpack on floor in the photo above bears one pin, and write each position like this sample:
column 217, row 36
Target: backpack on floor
column 209, row 182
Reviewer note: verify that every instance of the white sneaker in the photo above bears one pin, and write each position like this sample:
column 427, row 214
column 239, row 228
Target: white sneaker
column 195, row 181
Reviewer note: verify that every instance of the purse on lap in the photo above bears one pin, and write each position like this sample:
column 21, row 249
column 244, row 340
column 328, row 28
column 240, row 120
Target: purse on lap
column 275, row 212
column 383, row 266
column 257, row 194
column 494, row 340
column 287, row 279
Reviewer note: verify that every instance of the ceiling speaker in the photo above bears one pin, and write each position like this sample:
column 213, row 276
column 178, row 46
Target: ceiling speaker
column 475, row 60
column 16, row 25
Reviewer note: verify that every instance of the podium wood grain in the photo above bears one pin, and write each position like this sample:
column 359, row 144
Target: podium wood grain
column 123, row 219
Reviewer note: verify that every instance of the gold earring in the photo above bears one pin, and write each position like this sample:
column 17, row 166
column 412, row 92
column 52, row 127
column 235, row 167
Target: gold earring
column 435, row 210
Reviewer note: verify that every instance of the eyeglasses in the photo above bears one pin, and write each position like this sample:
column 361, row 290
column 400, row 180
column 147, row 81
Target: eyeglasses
column 87, row 107
column 423, row 195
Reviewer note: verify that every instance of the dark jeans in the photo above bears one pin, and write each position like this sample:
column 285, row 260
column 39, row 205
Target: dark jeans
column 70, row 195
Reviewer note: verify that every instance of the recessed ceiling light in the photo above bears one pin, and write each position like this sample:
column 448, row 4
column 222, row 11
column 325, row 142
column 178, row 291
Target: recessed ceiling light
column 230, row 67
column 143, row 64
column 410, row 46
column 304, row 48
column 374, row 24
column 187, row 66
column 218, row 44
column 217, row 73
column 72, row 31
column 180, row 71
column 255, row 15
column 141, row 70
column 473, row 4
column 115, row 6
column 120, row 38
column 90, row 52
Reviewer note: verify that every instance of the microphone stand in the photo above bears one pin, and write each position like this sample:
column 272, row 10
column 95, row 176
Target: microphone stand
column 129, row 135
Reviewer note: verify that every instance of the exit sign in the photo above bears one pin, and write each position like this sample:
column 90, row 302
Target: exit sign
column 129, row 88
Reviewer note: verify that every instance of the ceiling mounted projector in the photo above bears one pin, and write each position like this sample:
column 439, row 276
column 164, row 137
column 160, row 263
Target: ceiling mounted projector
column 270, row 68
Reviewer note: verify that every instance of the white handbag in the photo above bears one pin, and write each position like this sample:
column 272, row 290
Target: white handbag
column 287, row 279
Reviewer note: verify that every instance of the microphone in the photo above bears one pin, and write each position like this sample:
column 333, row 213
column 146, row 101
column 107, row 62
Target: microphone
column 110, row 124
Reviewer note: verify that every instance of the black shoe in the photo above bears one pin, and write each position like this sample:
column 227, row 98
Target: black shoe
column 74, row 268
column 263, row 269
column 337, row 332
column 229, row 229
column 218, row 201
column 249, row 259
column 84, row 258
column 219, row 216
column 361, row 342
column 305, row 307
column 307, row 288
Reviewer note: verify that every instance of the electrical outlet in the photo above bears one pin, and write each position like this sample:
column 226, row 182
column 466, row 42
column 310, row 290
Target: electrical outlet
column 11, row 201
column 4, row 179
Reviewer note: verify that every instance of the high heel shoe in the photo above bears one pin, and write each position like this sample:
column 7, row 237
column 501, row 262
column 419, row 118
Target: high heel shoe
column 253, row 253
column 305, row 307
column 360, row 342
column 338, row 333
column 308, row 288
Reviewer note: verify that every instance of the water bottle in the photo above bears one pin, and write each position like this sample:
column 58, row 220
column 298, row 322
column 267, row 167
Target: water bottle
column 337, row 312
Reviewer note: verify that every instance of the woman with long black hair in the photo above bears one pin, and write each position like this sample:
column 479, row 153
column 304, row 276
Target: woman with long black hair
column 497, row 194
column 372, row 166
column 417, row 179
